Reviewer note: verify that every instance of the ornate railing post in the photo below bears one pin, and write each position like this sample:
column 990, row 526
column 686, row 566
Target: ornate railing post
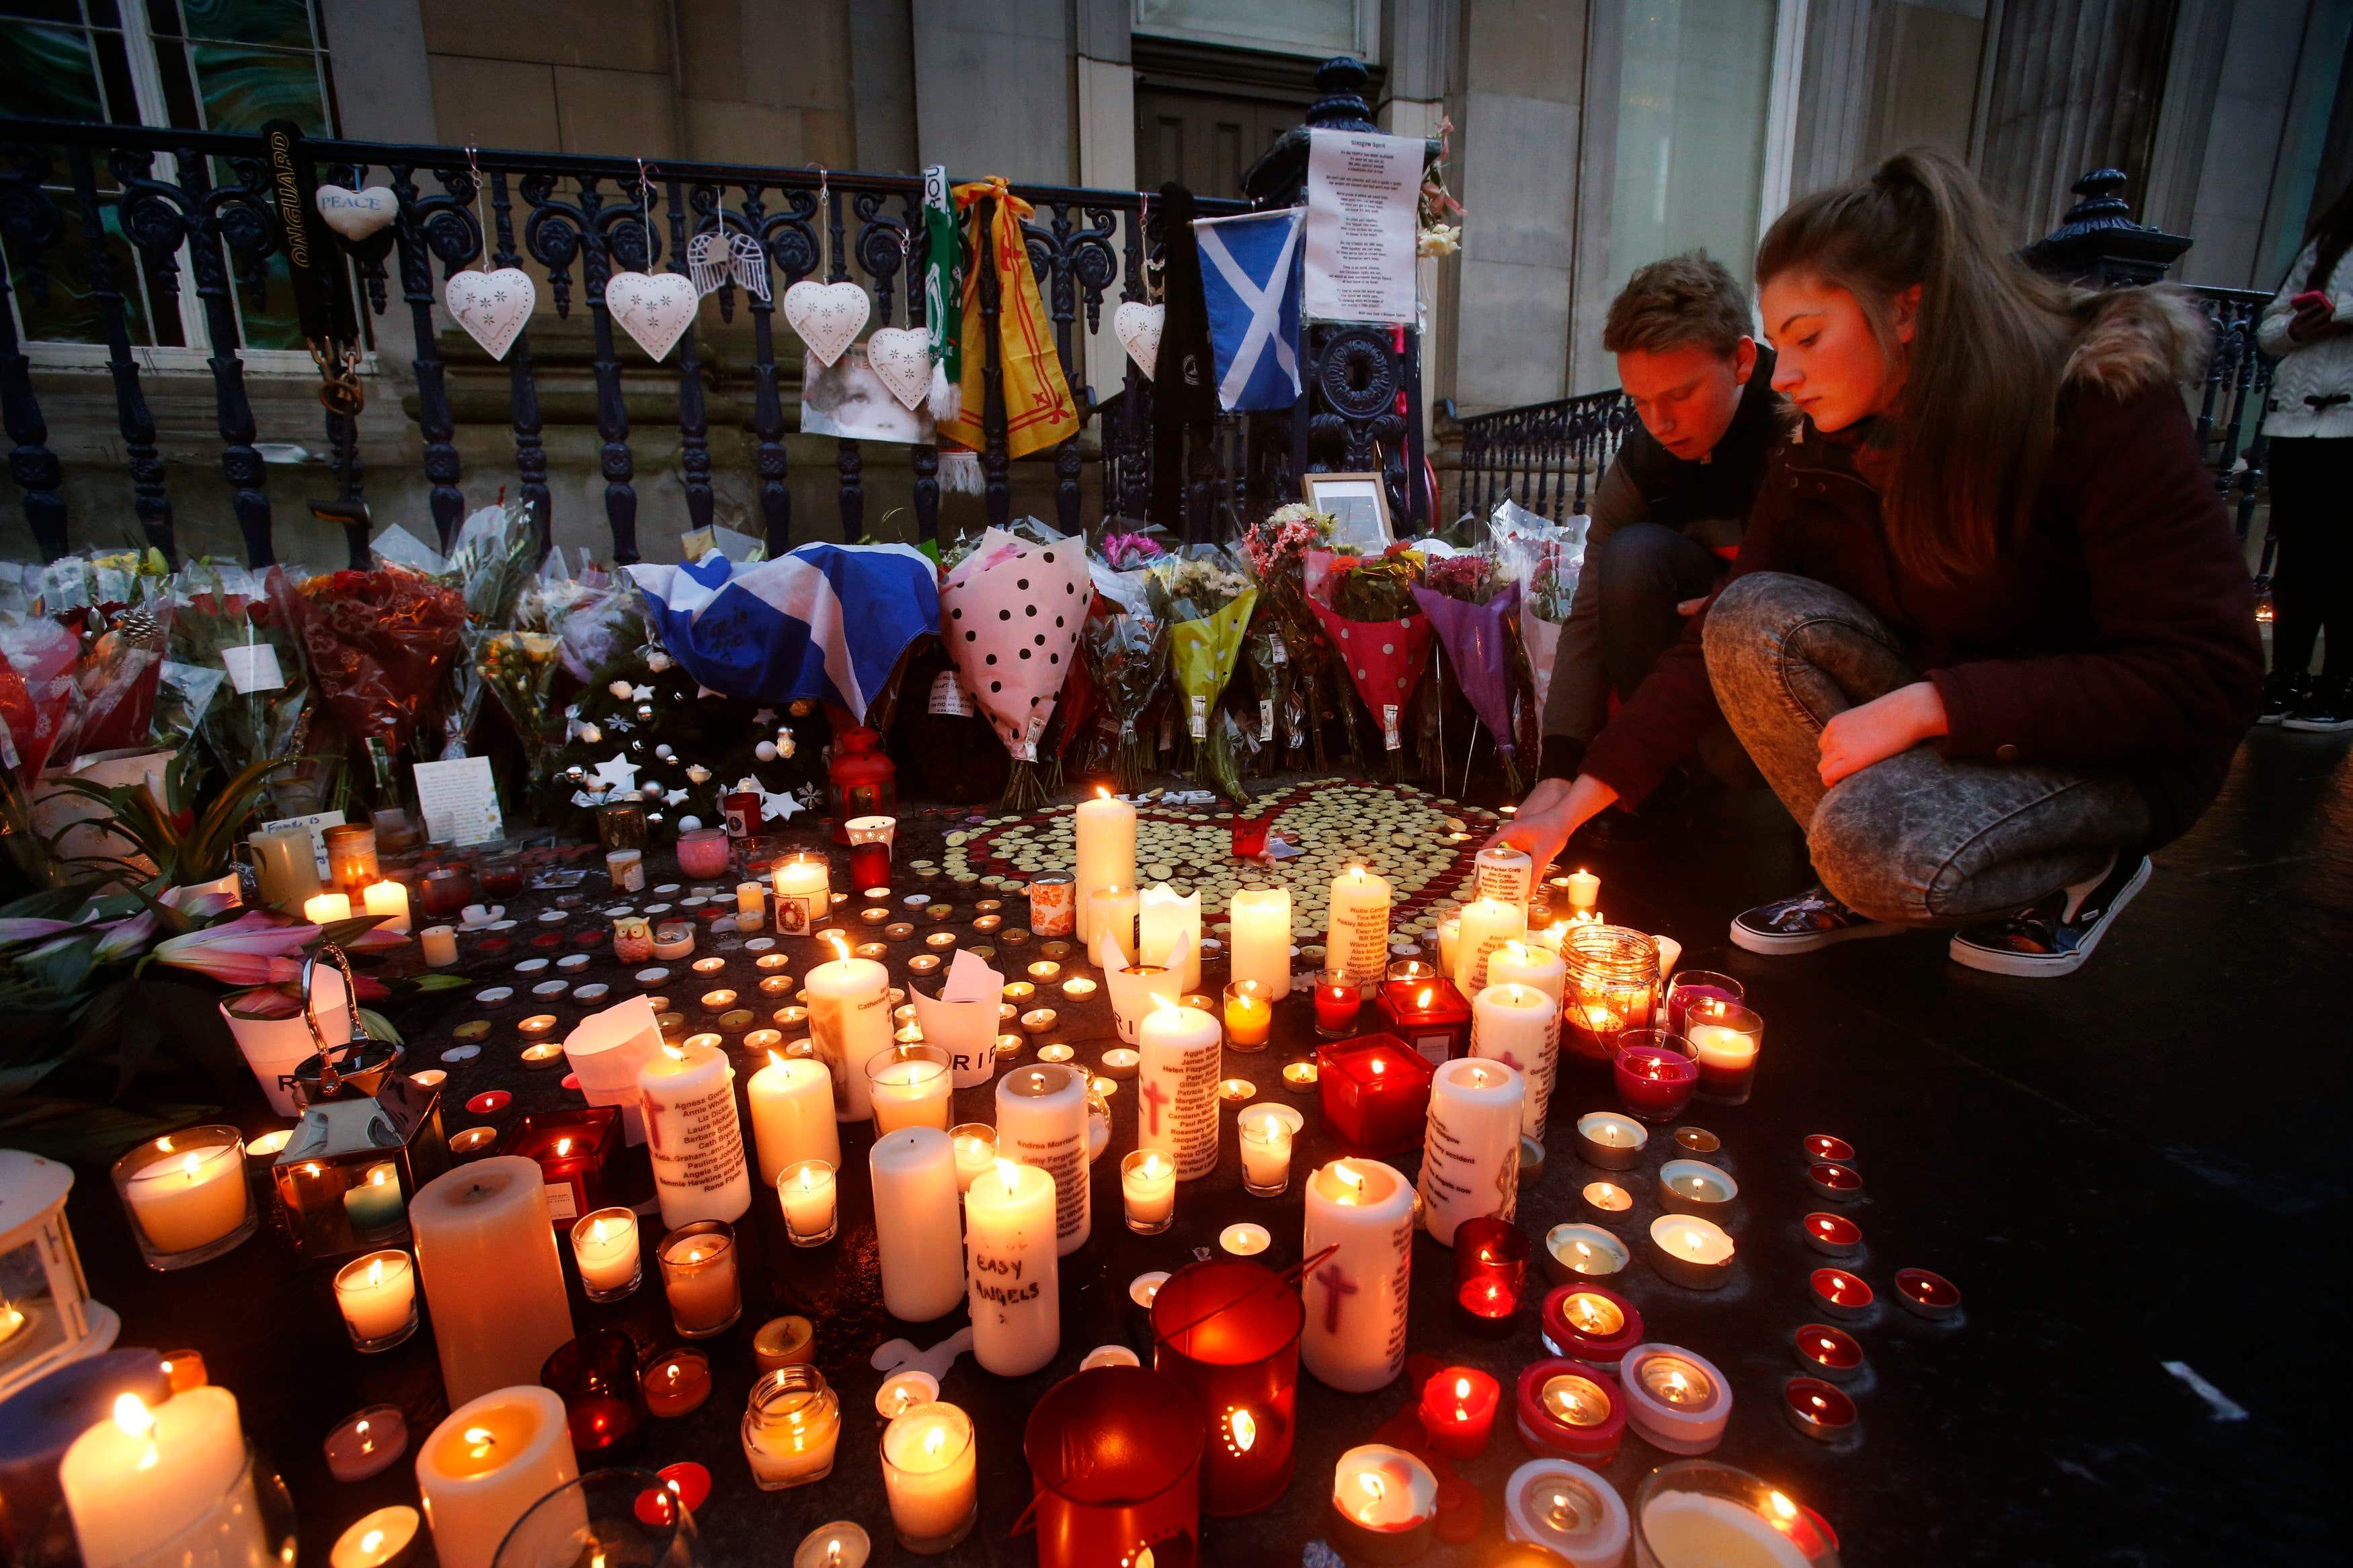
column 215, row 211
column 430, row 226
column 693, row 419
column 148, row 501
column 522, row 385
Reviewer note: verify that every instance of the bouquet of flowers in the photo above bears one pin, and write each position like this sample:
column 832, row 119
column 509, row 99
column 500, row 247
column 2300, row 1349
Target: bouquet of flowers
column 1130, row 552
column 1544, row 558
column 1125, row 651
column 1375, row 627
column 377, row 643
column 491, row 566
column 1278, row 550
column 1010, row 613
column 227, row 623
column 1282, row 715
column 1474, row 609
column 1206, row 602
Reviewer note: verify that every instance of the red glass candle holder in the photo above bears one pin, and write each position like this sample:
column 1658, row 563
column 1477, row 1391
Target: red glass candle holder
column 1694, row 985
column 1338, row 998
column 870, row 850
column 1458, row 1411
column 1820, row 1410
column 1228, row 1331
column 1375, row 1091
column 1829, row 1353
column 578, row 1152
column 1115, row 1456
column 446, row 891
column 1587, row 1324
column 1567, row 1410
column 1490, row 1271
column 1427, row 1014
column 596, row 1376
column 1654, row 1078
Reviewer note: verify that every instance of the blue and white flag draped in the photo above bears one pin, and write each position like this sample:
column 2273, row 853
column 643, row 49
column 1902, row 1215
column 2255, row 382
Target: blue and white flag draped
column 1249, row 285
column 826, row 621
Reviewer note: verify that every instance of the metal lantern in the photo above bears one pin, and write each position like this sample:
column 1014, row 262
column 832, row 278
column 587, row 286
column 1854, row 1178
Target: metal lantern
column 46, row 1318
column 369, row 1137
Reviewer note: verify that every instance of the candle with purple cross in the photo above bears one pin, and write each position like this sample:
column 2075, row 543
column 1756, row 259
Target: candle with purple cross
column 1361, row 1212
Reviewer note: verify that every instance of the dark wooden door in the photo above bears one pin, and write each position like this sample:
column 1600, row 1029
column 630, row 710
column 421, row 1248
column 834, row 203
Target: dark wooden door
column 1204, row 114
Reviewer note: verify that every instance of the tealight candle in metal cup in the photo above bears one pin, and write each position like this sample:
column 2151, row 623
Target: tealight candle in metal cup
column 1605, row 1201
column 1829, row 1353
column 1832, row 1234
column 1818, row 1409
column 1691, row 1251
column 923, row 963
column 1575, row 1252
column 1819, row 1148
column 1696, row 1187
column 1840, row 1293
column 1079, row 988
column 1611, row 1140
column 1927, row 1294
column 1840, row 1183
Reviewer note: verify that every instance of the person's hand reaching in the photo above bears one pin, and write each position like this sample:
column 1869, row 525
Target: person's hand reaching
column 1553, row 811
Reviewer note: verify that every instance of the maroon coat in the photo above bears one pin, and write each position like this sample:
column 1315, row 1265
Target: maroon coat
column 2119, row 631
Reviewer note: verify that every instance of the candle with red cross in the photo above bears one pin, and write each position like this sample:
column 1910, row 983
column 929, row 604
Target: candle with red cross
column 1362, row 1211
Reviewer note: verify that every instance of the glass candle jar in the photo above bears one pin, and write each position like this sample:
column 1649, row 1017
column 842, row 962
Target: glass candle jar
column 1490, row 1271
column 699, row 1274
column 702, row 853
column 930, row 1476
column 676, row 1382
column 1250, row 1015
column 499, row 875
column 1611, row 980
column 792, row 1424
column 909, row 1085
column 447, row 890
column 870, row 850
column 377, row 1296
column 1147, row 1185
column 1724, row 1038
column 351, row 856
column 806, row 1189
column 1338, row 998
column 621, row 825
column 187, row 1195
column 1655, row 1074
column 626, row 867
column 604, row 1245
column 596, row 1376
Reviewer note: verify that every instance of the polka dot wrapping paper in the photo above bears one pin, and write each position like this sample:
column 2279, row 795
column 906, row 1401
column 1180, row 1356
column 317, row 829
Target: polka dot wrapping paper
column 1010, row 614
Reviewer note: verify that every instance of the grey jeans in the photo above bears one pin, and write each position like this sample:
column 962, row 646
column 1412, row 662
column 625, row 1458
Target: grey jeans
column 1915, row 837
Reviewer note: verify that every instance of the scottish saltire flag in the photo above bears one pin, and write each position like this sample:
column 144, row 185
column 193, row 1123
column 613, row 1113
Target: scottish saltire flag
column 1250, row 282
column 826, row 621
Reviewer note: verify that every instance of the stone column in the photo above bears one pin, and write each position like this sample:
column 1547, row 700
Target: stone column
column 1834, row 106
column 2076, row 84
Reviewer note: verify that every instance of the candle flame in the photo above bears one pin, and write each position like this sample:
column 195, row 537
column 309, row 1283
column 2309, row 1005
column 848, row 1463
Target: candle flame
column 1245, row 1430
column 371, row 1540
column 675, row 1053
column 375, row 1271
column 1678, row 1389
column 1423, row 1000
column 1462, row 1388
column 164, row 1144
column 1102, row 792
column 840, row 947
column 934, row 1440
column 192, row 1165
column 1154, row 1167
column 1372, row 1483
column 1381, row 1065
column 1352, row 1184
column 833, row 1554
column 1478, row 1077
column 775, row 1060
column 563, row 1146
column 1690, row 1239
column 1161, row 1004
column 131, row 1414
column 1357, row 872
column 361, row 1428
column 1006, row 1170
column 483, row 1440
column 1783, row 1506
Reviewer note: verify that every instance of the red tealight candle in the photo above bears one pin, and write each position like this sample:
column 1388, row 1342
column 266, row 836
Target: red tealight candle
column 1654, row 1083
column 1929, row 1295
column 1816, row 1408
column 1839, row 1293
column 1821, row 1146
column 490, row 1102
column 1336, row 1004
column 1829, row 1353
column 1570, row 1411
column 1587, row 1323
column 1834, row 1235
column 1840, row 1183
column 677, row 1382
column 1458, row 1411
column 685, row 1483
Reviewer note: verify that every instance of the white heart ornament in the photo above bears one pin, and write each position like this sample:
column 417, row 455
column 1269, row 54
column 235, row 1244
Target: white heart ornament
column 491, row 306
column 901, row 360
column 1137, row 326
column 356, row 215
column 828, row 316
column 655, row 308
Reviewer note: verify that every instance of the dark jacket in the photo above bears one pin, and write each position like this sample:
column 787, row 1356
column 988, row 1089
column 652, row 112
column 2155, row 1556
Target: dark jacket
column 1707, row 498
column 2118, row 631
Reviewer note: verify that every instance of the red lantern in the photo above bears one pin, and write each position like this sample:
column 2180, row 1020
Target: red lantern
column 865, row 780
column 1228, row 1330
column 1115, row 1455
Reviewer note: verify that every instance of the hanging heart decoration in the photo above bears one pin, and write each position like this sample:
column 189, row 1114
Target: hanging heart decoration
column 356, row 215
column 491, row 306
column 654, row 308
column 828, row 316
column 1137, row 326
column 902, row 361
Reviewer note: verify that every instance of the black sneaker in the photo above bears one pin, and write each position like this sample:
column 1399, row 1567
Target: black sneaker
column 2326, row 709
column 1812, row 919
column 2281, row 694
column 2053, row 936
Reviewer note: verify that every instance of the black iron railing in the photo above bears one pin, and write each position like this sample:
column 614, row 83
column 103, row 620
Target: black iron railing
column 1547, row 456
column 200, row 200
column 2233, row 403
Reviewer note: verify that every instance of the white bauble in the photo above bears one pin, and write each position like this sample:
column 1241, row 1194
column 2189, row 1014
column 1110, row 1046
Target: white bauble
column 662, row 752
column 765, row 750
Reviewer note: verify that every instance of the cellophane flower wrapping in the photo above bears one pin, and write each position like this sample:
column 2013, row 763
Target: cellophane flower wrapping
column 1377, row 632
column 1278, row 552
column 1280, row 722
column 1545, row 559
column 226, row 617
column 1011, row 612
column 1125, row 649
column 1473, row 611
column 377, row 643
column 491, row 565
column 38, row 696
column 1207, row 601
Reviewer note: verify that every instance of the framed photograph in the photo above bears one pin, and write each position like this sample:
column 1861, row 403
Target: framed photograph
column 1361, row 502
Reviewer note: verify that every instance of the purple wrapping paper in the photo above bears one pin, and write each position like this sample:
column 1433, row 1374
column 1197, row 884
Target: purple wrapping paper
column 1477, row 640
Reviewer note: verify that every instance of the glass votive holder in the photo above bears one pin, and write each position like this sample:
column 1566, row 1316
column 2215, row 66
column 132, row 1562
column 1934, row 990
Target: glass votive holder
column 976, row 1151
column 1410, row 969
column 446, row 891
column 1250, row 1015
column 1147, row 1185
column 929, row 1476
column 1726, row 1038
column 870, row 850
column 792, row 1424
column 704, row 853
column 1266, row 1152
column 187, row 1195
column 1692, row 988
column 808, row 1191
column 909, row 1085
column 1490, row 1271
column 674, row 1383
column 1655, row 1074
column 619, row 1514
column 351, row 856
column 605, row 1245
column 1338, row 998
column 596, row 1376
column 698, row 1276
column 377, row 1296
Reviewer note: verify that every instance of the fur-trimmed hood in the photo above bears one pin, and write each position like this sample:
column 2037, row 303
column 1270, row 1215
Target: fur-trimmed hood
column 2129, row 339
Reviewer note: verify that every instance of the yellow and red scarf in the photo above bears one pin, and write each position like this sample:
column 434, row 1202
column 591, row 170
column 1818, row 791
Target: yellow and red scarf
column 1038, row 409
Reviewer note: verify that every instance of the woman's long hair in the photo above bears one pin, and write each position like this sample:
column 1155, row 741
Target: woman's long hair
column 2332, row 232
column 1973, row 426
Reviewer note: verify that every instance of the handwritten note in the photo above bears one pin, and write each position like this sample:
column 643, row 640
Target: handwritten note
column 1363, row 193
column 459, row 800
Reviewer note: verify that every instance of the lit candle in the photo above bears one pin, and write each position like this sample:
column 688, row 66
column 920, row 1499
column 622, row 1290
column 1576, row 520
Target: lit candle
column 1612, row 1142
column 1725, row 1038
column 699, row 1277
column 1606, row 1198
column 1570, row 1411
column 439, row 944
column 1675, row 1398
column 928, row 1475
column 376, row 1539
column 1354, row 1339
column 808, row 1189
column 1695, row 1187
column 1013, row 1289
column 1836, row 1291
column 1519, row 1026
column 1384, row 1504
column 693, row 1134
column 185, row 1192
column 1504, row 873
column 841, row 1544
column 604, row 1245
column 322, row 909
column 485, row 1253
column 1487, row 924
column 1584, row 888
column 1471, row 1151
column 1526, row 964
column 1177, row 1110
column 1245, row 1240
column 387, row 898
column 976, row 1150
column 751, row 899
column 1266, row 1153
column 792, row 1114
column 1692, row 1252
column 1567, row 1509
column 1258, row 937
column 1458, row 1411
column 678, row 1383
column 488, row 1462
column 1250, row 1013
column 850, row 1020
column 792, row 1426
column 916, row 1242
column 787, row 1340
column 377, row 1296
column 1926, row 1294
column 1357, row 939
column 1147, row 1185
column 1041, row 1120
column 908, row 1087
column 1119, row 1062
column 1168, row 932
column 1574, row 1252
column 1078, row 988
column 1112, row 910
column 1106, row 847
column 145, row 1480
column 803, row 894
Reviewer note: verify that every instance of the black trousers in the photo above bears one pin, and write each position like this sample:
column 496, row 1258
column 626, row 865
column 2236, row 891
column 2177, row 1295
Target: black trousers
column 2312, row 579
column 1646, row 569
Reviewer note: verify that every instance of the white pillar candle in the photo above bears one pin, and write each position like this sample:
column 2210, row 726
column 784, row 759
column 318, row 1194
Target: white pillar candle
column 1258, row 935
column 440, row 945
column 930, row 1476
column 189, row 1195
column 1176, row 1087
column 1504, row 873
column 142, row 1479
column 921, row 1254
column 488, row 1462
column 751, row 899
column 792, row 1114
column 1041, row 1120
column 850, row 1020
column 1013, row 1289
column 1354, row 1339
column 1584, row 888
column 1106, row 833
column 1356, row 939
column 1450, row 942
column 1519, row 1027
column 1487, row 924
column 1700, row 1530
column 1133, row 986
column 485, row 1253
column 808, row 1191
column 1168, row 932
column 803, row 894
column 389, row 898
column 604, row 1245
column 1471, row 1151
column 1266, row 1152
column 377, row 1294
column 1113, row 914
column 692, row 1131
column 322, row 908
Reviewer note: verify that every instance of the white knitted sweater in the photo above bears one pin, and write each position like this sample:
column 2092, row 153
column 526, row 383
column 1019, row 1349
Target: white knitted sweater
column 2312, row 389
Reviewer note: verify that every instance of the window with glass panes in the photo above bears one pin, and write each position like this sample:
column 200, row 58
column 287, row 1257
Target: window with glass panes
column 210, row 65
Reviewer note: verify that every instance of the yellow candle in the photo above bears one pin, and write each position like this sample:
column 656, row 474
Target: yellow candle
column 1250, row 1015
column 388, row 898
